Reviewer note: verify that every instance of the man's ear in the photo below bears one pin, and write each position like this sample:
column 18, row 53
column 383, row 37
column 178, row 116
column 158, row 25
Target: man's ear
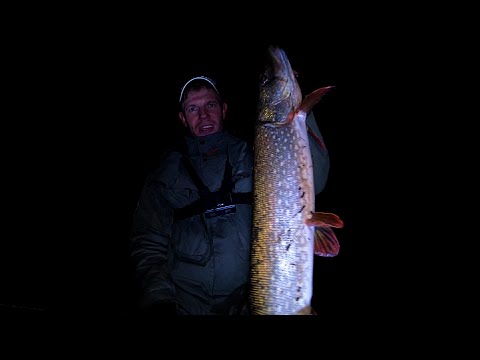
column 182, row 119
column 224, row 110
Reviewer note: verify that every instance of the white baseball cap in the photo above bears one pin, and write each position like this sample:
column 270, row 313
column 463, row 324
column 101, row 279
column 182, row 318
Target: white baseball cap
column 204, row 78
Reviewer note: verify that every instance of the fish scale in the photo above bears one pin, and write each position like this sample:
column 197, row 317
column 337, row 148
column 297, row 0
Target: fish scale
column 283, row 244
column 283, row 260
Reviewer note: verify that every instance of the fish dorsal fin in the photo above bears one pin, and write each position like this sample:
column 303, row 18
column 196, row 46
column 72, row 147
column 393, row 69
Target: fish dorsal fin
column 313, row 98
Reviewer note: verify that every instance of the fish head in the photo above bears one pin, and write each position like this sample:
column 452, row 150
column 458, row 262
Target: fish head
column 279, row 91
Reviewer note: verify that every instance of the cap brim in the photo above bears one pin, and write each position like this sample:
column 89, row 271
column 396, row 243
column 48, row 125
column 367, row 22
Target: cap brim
column 204, row 78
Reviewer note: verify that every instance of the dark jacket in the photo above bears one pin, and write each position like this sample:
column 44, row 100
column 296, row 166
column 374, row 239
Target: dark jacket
column 200, row 263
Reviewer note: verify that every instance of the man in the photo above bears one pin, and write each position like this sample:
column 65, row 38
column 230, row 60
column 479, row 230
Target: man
column 191, row 231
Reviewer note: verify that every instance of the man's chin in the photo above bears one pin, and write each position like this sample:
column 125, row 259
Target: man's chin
column 206, row 132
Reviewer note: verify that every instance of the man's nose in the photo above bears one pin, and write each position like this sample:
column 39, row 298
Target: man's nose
column 202, row 111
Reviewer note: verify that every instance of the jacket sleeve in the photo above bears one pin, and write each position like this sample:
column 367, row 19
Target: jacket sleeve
column 320, row 157
column 149, row 244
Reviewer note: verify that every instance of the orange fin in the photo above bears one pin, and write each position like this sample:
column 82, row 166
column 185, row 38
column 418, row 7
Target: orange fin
column 325, row 219
column 317, row 138
column 326, row 243
column 313, row 98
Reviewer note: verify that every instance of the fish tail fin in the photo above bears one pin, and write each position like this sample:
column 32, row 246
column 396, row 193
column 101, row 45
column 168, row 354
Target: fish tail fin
column 307, row 310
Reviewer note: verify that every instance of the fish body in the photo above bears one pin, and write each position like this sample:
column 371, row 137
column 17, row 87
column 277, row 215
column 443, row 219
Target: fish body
column 283, row 237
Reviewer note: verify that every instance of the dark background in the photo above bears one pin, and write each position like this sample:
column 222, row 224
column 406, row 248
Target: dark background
column 91, row 109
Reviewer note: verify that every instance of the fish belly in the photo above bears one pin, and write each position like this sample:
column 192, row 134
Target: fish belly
column 282, row 245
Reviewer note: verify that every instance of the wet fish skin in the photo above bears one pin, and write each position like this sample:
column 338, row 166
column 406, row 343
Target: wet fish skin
column 283, row 237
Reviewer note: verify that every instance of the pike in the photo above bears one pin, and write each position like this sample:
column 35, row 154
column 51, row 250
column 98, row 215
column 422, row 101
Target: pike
column 287, row 232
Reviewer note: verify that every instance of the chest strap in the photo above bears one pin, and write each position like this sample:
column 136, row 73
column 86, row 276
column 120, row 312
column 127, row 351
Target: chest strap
column 215, row 203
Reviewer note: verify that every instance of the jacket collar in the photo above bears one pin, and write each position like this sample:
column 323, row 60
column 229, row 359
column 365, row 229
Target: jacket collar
column 205, row 146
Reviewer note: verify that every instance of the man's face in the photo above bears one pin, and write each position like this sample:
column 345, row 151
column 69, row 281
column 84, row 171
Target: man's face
column 203, row 112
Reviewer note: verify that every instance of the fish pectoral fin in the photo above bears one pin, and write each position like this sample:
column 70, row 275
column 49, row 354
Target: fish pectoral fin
column 325, row 219
column 326, row 243
column 313, row 98
column 317, row 138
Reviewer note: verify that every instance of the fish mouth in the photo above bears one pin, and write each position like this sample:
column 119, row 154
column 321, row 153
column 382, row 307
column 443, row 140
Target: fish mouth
column 285, row 75
column 281, row 64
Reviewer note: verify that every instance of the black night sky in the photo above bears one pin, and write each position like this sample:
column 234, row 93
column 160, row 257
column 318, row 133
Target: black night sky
column 92, row 110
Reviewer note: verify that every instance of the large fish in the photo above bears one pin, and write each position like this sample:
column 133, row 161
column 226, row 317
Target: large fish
column 287, row 233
